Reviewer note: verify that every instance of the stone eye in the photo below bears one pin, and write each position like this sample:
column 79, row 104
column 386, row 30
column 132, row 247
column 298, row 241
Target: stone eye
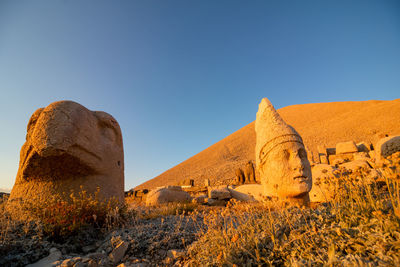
column 285, row 154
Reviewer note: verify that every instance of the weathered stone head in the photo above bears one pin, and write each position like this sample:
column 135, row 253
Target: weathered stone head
column 281, row 157
column 68, row 146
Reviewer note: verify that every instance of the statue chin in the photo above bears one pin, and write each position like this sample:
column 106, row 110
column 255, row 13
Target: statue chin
column 301, row 187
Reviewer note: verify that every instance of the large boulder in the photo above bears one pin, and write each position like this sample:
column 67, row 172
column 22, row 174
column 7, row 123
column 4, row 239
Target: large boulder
column 281, row 157
column 248, row 192
column 69, row 148
column 168, row 194
column 387, row 146
column 219, row 192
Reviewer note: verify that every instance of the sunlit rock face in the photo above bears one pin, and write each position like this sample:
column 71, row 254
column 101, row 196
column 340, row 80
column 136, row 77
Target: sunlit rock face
column 68, row 146
column 281, row 157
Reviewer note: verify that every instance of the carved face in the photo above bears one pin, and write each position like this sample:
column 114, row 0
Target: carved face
column 67, row 146
column 287, row 171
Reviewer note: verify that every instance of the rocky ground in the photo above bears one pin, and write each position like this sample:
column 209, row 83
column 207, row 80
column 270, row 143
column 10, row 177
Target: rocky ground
column 146, row 242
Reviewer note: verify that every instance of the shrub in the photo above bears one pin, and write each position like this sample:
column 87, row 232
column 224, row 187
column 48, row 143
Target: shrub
column 166, row 210
column 61, row 217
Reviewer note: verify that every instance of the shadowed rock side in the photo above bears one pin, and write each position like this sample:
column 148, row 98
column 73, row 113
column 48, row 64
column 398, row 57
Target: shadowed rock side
column 324, row 124
column 68, row 146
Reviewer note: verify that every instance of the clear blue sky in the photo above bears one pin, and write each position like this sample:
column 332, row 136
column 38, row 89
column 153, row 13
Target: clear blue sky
column 181, row 75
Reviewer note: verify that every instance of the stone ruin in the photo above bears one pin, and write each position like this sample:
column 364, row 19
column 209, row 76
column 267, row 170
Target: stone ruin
column 286, row 168
column 281, row 157
column 350, row 158
column 247, row 175
column 70, row 148
column 322, row 190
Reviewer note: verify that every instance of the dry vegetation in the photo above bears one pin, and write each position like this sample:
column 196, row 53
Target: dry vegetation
column 361, row 226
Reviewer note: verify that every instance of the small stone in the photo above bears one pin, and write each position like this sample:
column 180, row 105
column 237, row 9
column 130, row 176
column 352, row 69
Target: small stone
column 119, row 251
column 67, row 263
column 87, row 249
column 54, row 256
column 95, row 255
column 323, row 159
column 84, row 260
column 174, row 254
column 53, row 250
column 79, row 264
column 216, row 202
column 104, row 262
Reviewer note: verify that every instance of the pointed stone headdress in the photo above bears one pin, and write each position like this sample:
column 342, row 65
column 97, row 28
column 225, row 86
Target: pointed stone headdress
column 271, row 131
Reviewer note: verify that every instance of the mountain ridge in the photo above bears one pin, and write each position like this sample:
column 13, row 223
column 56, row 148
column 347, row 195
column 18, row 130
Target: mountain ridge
column 333, row 121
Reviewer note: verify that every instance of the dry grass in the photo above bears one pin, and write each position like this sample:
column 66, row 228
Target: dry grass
column 143, row 212
column 58, row 218
column 361, row 226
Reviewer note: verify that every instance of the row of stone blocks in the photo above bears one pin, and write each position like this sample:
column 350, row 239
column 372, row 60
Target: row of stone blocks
column 349, row 151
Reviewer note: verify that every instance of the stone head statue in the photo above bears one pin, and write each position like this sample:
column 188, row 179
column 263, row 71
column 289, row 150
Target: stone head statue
column 68, row 146
column 281, row 157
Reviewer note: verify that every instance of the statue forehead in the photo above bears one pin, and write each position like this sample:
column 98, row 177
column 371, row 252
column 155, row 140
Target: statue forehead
column 286, row 146
column 76, row 111
column 72, row 107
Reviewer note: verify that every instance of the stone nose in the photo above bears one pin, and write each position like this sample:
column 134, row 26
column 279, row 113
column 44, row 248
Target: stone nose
column 297, row 163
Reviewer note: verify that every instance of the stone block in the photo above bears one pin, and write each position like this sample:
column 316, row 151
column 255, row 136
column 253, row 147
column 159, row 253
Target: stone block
column 387, row 146
column 220, row 192
column 346, row 147
column 119, row 252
